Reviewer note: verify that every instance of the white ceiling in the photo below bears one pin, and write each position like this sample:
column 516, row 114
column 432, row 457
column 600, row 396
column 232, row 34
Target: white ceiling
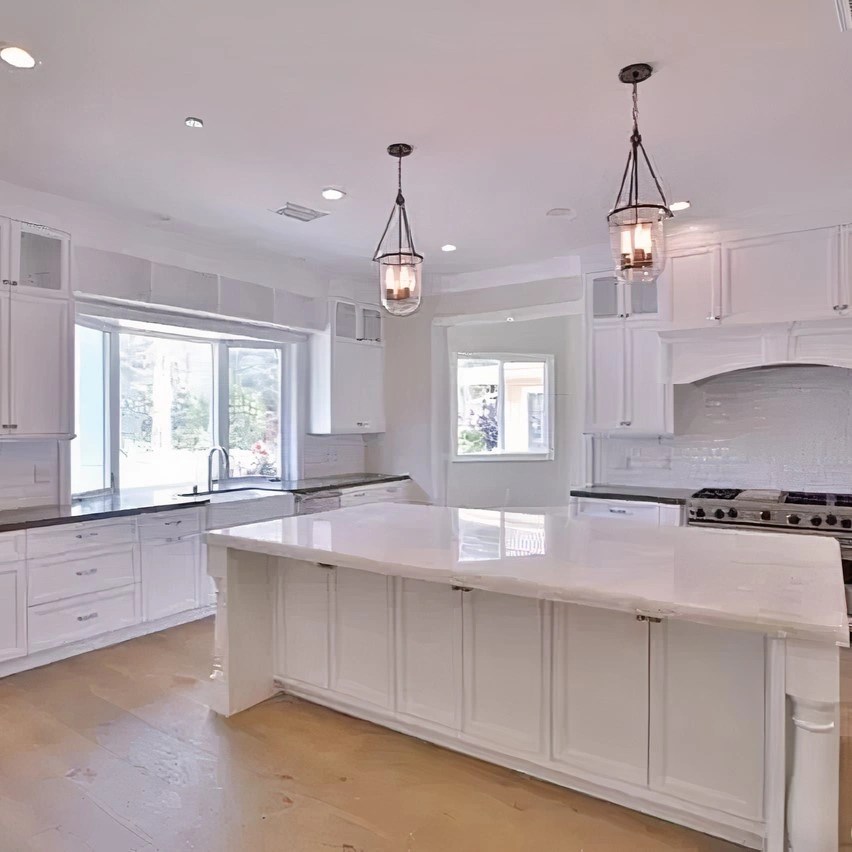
column 513, row 108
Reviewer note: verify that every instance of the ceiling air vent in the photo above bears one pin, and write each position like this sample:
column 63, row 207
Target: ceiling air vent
column 844, row 13
column 303, row 214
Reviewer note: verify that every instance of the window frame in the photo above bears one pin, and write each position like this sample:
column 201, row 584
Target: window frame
column 548, row 416
column 289, row 374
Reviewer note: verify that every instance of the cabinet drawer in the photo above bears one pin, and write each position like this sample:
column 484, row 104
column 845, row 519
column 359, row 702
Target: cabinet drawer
column 54, row 624
column 628, row 510
column 169, row 525
column 398, row 492
column 53, row 578
column 12, row 546
column 71, row 538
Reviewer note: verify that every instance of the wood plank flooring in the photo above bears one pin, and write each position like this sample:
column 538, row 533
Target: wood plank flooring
column 116, row 751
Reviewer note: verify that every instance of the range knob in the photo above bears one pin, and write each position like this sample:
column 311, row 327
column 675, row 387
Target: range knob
column 699, row 513
column 732, row 513
column 816, row 520
column 831, row 520
column 846, row 523
column 766, row 515
column 793, row 519
column 719, row 513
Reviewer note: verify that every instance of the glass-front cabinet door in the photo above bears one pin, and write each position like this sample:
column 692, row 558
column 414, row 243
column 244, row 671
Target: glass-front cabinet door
column 643, row 298
column 606, row 296
column 40, row 258
column 345, row 320
column 371, row 325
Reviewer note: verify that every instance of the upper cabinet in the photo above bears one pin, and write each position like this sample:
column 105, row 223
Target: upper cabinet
column 347, row 372
column 779, row 278
column 612, row 299
column 36, row 332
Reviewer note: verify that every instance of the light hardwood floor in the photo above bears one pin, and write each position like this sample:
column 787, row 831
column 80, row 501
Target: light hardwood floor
column 116, row 751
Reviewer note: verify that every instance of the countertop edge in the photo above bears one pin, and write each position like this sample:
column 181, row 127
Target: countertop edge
column 612, row 492
column 838, row 635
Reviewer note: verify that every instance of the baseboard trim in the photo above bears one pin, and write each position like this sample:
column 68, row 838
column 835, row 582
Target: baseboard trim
column 63, row 652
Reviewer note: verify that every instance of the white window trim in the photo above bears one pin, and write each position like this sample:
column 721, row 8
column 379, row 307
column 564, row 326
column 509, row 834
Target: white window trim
column 549, row 407
column 289, row 442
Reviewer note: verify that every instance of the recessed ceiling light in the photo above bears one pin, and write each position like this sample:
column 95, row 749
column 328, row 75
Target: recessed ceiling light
column 448, row 247
column 17, row 57
column 676, row 206
column 562, row 212
column 332, row 193
column 192, row 121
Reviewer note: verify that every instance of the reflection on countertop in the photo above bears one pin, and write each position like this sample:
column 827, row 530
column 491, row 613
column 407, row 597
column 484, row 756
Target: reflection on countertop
column 309, row 485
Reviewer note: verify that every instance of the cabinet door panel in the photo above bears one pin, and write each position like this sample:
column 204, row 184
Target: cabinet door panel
column 303, row 630
column 694, row 282
column 429, row 651
column 40, row 364
column 646, row 404
column 13, row 610
column 600, row 692
column 346, row 378
column 372, row 383
column 783, row 277
column 503, row 671
column 606, row 403
column 169, row 577
column 362, row 631
column 707, row 716
column 605, row 296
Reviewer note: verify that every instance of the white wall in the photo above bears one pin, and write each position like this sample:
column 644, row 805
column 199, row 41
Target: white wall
column 417, row 375
column 524, row 483
column 776, row 427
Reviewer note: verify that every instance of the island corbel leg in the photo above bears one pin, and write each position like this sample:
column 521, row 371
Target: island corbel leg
column 813, row 687
column 242, row 658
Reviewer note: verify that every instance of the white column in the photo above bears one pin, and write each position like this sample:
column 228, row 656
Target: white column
column 242, row 658
column 813, row 790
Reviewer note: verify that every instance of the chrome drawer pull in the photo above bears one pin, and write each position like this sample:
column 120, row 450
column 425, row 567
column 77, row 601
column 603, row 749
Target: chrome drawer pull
column 620, row 511
column 88, row 617
column 841, row 307
column 87, row 573
column 173, row 523
column 86, row 535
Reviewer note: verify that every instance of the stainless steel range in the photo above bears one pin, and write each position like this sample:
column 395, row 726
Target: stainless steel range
column 808, row 512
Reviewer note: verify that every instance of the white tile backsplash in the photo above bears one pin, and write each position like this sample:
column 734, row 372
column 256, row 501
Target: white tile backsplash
column 326, row 455
column 775, row 427
column 29, row 473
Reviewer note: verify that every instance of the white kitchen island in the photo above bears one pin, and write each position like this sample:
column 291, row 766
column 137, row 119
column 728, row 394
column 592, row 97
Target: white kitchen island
column 690, row 674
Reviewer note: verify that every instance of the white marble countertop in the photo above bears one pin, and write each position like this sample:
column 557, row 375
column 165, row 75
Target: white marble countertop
column 770, row 582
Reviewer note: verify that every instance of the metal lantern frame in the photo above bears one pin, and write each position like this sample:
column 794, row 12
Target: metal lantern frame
column 643, row 212
column 404, row 252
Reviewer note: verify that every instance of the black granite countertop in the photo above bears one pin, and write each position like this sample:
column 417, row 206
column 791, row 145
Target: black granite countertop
column 140, row 500
column 650, row 494
column 133, row 502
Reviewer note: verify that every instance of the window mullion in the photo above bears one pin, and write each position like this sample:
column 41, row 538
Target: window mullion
column 501, row 393
column 113, row 405
column 221, row 396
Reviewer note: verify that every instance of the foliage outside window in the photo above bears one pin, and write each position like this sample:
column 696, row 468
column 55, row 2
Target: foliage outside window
column 502, row 406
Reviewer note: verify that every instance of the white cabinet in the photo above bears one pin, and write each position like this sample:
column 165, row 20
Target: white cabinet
column 692, row 286
column 169, row 577
column 429, row 652
column 504, row 667
column 707, row 716
column 13, row 597
column 600, row 692
column 36, row 365
column 39, row 258
column 626, row 390
column 362, row 627
column 347, row 374
column 612, row 298
column 302, row 632
column 170, row 547
column 391, row 492
column 782, row 277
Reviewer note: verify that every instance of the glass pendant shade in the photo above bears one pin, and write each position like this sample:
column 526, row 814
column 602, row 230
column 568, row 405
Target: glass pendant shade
column 636, row 221
column 399, row 279
column 638, row 240
column 400, row 265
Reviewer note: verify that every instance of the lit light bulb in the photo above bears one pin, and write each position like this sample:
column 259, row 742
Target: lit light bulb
column 642, row 237
column 391, row 284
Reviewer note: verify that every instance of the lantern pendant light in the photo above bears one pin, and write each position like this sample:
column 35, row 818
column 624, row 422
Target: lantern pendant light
column 636, row 230
column 400, row 265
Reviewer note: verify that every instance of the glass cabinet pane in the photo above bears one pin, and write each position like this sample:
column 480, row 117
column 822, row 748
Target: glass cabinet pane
column 41, row 261
column 345, row 321
column 372, row 319
column 605, row 296
column 643, row 298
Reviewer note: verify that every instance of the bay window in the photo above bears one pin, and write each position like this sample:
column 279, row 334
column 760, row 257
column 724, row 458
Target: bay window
column 151, row 404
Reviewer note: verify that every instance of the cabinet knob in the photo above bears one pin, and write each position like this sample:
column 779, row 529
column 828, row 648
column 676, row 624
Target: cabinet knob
column 714, row 317
column 625, row 423
column 841, row 307
column 461, row 589
column 88, row 617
